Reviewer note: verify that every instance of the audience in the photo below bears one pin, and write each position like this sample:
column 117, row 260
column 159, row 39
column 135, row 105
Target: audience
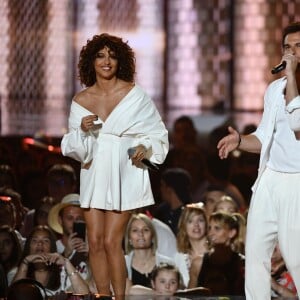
column 60, row 181
column 282, row 281
column 166, row 281
column 221, row 269
column 41, row 261
column 166, row 239
column 191, row 238
column 210, row 198
column 61, row 219
column 26, row 289
column 226, row 204
column 38, row 216
column 141, row 251
column 175, row 193
column 185, row 152
column 191, row 173
column 10, row 251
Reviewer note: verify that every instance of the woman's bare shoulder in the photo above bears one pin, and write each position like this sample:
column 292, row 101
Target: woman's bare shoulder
column 82, row 96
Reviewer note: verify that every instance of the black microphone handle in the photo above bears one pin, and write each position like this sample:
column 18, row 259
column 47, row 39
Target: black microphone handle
column 149, row 164
column 145, row 161
column 279, row 67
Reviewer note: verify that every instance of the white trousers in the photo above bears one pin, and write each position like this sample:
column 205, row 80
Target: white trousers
column 274, row 213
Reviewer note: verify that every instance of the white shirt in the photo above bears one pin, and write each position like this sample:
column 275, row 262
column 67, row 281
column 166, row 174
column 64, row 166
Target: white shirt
column 276, row 130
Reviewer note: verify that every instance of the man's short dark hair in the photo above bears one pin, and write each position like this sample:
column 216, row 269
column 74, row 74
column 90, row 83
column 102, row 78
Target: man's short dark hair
column 291, row 28
column 180, row 181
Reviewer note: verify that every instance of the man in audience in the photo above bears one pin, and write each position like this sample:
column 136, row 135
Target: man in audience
column 175, row 192
column 61, row 219
column 61, row 180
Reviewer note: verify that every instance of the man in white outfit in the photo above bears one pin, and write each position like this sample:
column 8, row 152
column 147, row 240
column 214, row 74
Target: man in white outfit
column 275, row 205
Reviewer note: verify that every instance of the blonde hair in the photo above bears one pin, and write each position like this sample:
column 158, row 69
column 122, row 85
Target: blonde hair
column 183, row 242
column 149, row 224
column 239, row 242
column 228, row 199
column 227, row 220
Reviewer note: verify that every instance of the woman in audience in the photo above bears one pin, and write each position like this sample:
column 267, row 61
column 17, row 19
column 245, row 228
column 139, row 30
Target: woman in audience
column 41, row 262
column 226, row 204
column 10, row 251
column 221, row 269
column 191, row 238
column 141, row 250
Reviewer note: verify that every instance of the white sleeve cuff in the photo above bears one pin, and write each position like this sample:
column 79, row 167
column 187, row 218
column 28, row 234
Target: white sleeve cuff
column 294, row 104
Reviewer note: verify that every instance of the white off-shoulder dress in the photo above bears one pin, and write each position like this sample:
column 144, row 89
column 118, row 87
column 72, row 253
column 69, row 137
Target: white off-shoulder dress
column 108, row 180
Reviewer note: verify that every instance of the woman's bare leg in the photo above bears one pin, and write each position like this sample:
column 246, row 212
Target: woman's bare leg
column 95, row 221
column 115, row 226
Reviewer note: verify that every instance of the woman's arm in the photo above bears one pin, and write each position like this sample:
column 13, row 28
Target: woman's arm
column 23, row 267
column 22, row 270
column 141, row 290
column 281, row 290
column 77, row 282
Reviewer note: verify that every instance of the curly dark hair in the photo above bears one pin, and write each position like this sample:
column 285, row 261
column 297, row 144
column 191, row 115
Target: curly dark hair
column 123, row 52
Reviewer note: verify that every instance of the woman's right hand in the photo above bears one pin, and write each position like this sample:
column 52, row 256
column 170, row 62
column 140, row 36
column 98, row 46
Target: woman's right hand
column 87, row 122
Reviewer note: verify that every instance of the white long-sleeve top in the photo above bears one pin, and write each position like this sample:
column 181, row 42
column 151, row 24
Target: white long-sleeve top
column 276, row 131
column 108, row 180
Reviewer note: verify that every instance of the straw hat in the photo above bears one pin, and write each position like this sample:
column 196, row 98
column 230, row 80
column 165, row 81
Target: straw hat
column 68, row 200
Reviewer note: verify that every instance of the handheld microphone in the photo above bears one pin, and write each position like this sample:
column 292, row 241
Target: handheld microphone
column 145, row 161
column 279, row 67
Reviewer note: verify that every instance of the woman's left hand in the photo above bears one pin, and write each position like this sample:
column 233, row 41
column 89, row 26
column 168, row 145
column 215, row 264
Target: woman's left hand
column 139, row 155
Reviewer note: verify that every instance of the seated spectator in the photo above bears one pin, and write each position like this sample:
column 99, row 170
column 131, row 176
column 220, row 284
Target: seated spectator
column 61, row 219
column 165, row 280
column 141, row 251
column 7, row 212
column 16, row 200
column 60, row 181
column 191, row 238
column 210, row 198
column 41, row 261
column 10, row 251
column 175, row 193
column 221, row 269
column 26, row 289
column 8, row 215
column 282, row 282
column 8, row 177
column 186, row 153
column 38, row 216
column 226, row 204
column 166, row 240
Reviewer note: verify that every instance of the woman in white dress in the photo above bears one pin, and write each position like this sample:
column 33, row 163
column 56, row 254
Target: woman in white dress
column 113, row 126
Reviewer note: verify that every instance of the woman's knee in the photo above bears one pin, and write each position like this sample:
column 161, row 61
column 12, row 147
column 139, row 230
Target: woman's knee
column 96, row 243
column 112, row 245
